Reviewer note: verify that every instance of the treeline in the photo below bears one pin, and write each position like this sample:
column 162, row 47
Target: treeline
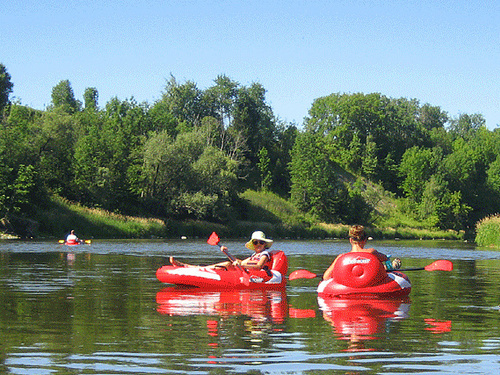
column 445, row 171
column 190, row 154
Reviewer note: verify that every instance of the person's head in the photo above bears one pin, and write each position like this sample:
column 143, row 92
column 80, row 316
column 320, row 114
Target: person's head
column 72, row 231
column 259, row 242
column 357, row 234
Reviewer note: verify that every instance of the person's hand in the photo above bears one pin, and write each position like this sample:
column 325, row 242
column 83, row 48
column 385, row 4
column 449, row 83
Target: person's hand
column 237, row 263
column 223, row 248
column 396, row 263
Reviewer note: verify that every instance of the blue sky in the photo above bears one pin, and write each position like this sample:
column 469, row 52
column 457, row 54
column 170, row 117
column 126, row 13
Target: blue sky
column 442, row 52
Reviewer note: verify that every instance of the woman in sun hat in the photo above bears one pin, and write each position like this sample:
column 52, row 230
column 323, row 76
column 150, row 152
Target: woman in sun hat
column 259, row 243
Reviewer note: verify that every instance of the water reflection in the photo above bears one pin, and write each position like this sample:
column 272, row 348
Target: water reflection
column 259, row 305
column 357, row 320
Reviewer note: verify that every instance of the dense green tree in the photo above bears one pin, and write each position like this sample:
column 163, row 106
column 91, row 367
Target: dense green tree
column 6, row 87
column 220, row 99
column 452, row 211
column 369, row 159
column 493, row 180
column 185, row 177
column 20, row 187
column 487, row 144
column 63, row 97
column 280, row 156
column 109, row 155
column 5, row 181
column 162, row 119
column 55, row 143
column 254, row 121
column 91, row 97
column 353, row 158
column 264, row 169
column 416, row 168
column 357, row 121
column 315, row 185
column 431, row 117
column 18, row 136
column 466, row 126
column 428, row 207
column 184, row 102
column 91, row 159
column 461, row 167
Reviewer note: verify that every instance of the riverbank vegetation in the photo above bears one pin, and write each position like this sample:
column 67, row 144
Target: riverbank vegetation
column 488, row 232
column 218, row 158
column 265, row 211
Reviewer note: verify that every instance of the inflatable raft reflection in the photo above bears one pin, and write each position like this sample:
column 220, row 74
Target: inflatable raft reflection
column 362, row 319
column 255, row 303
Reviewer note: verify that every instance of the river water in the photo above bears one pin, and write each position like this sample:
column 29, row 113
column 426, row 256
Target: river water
column 99, row 309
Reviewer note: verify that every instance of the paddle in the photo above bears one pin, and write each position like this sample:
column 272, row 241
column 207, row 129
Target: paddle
column 438, row 265
column 214, row 241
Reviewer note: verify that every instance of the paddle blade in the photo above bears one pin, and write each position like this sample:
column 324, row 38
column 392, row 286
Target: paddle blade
column 88, row 242
column 440, row 265
column 245, row 276
column 61, row 241
column 213, row 239
column 302, row 274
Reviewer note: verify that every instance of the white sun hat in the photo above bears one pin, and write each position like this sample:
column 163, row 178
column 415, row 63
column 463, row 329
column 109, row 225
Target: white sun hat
column 259, row 236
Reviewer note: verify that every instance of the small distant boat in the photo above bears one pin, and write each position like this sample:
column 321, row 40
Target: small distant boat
column 75, row 243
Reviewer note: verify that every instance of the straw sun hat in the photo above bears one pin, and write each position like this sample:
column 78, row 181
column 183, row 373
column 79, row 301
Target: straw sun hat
column 260, row 236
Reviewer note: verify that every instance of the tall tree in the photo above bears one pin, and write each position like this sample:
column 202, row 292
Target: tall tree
column 254, row 121
column 6, row 87
column 431, row 117
column 416, row 168
column 466, row 126
column 184, row 101
column 91, row 97
column 264, row 169
column 315, row 186
column 63, row 96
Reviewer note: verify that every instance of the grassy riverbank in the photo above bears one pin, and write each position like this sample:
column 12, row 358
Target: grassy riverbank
column 264, row 211
column 488, row 232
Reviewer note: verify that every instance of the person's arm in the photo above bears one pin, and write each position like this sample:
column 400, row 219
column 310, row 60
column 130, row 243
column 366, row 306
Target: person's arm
column 387, row 262
column 329, row 272
column 234, row 263
column 382, row 257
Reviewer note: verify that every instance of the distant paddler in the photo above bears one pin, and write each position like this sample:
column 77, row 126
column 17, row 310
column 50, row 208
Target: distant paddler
column 72, row 239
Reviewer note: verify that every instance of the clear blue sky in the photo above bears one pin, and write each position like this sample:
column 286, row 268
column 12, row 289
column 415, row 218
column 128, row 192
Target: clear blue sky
column 442, row 52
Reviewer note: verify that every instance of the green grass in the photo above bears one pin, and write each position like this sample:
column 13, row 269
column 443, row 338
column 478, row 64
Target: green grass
column 61, row 216
column 488, row 232
column 265, row 211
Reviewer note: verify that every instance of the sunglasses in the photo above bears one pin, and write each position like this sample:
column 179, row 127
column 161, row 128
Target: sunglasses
column 256, row 242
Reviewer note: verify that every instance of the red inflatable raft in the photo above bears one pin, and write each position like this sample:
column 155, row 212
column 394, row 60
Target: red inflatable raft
column 272, row 277
column 73, row 243
column 362, row 275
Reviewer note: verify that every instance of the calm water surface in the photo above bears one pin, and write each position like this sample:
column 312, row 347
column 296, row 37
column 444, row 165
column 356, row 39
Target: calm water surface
column 99, row 309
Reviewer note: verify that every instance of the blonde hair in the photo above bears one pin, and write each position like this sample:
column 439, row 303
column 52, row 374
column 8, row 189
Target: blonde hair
column 357, row 233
